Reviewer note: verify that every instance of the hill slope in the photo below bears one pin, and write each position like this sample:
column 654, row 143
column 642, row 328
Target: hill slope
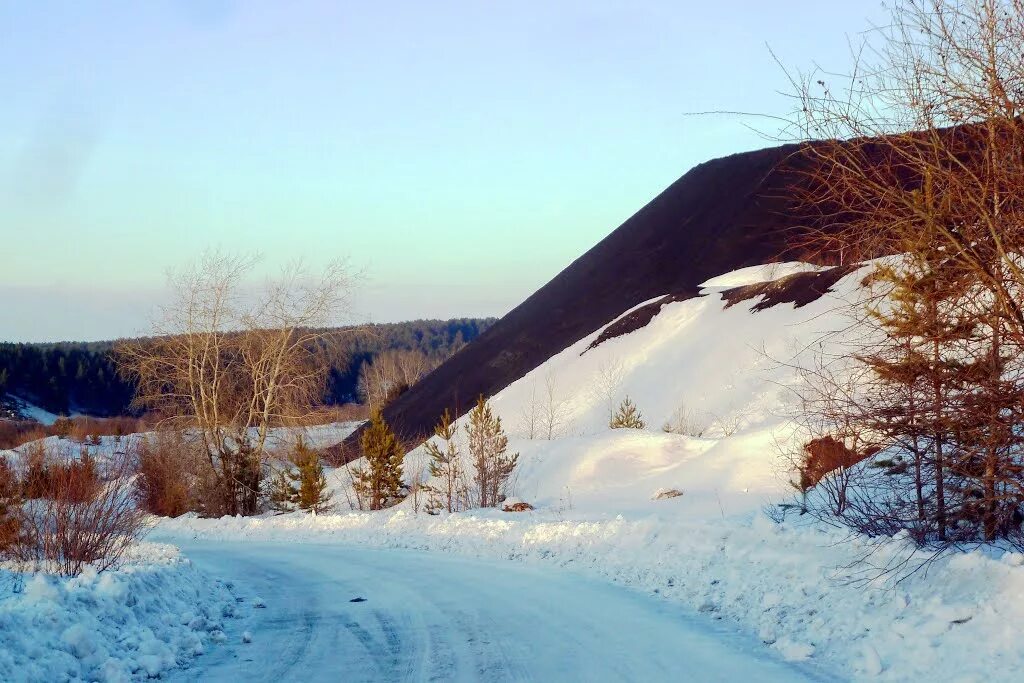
column 722, row 215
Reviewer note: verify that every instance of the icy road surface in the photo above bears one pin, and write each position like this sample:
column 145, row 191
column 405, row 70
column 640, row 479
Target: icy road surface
column 430, row 616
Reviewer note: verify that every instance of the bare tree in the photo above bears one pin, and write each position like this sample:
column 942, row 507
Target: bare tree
column 391, row 373
column 227, row 363
column 919, row 151
column 529, row 418
column 607, row 385
column 553, row 408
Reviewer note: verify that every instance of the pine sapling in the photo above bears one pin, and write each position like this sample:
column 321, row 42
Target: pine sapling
column 446, row 467
column 627, row 417
column 310, row 484
column 379, row 481
column 488, row 446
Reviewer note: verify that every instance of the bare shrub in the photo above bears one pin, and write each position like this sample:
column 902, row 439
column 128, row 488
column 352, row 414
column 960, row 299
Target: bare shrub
column 687, row 422
column 10, row 505
column 64, row 531
column 727, row 425
column 171, row 475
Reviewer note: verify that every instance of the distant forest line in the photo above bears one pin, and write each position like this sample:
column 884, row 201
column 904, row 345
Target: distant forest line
column 82, row 377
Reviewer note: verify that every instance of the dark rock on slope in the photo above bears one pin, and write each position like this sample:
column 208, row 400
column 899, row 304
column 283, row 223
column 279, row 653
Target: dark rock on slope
column 722, row 215
column 798, row 289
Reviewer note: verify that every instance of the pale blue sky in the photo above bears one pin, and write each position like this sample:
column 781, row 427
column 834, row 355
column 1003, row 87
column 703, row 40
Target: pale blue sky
column 462, row 153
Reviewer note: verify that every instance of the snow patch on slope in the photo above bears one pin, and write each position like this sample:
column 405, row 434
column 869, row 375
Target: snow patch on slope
column 755, row 274
column 722, row 377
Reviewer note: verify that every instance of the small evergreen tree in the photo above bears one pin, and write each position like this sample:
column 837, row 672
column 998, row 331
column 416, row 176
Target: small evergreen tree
column 446, row 468
column 488, row 447
column 302, row 485
column 627, row 416
column 62, row 427
column 311, row 484
column 282, row 492
column 380, row 480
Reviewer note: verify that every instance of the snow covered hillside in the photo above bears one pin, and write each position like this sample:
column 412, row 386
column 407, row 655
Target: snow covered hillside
column 713, row 383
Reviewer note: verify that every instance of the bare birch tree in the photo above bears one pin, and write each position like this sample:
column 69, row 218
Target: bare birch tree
column 226, row 363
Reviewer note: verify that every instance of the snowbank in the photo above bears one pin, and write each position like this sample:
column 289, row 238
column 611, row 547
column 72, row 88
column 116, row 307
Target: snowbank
column 155, row 613
column 956, row 622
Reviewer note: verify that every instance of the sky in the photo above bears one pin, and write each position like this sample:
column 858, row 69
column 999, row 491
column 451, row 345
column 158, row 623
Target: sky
column 458, row 154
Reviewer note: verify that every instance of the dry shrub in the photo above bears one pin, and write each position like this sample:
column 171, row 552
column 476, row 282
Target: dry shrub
column 172, row 480
column 826, row 454
column 35, row 477
column 687, row 422
column 10, row 502
column 80, row 521
column 324, row 415
column 14, row 433
column 76, row 481
column 79, row 431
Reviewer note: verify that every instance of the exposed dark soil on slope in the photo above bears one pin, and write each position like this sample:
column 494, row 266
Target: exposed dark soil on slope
column 722, row 215
column 798, row 289
column 637, row 318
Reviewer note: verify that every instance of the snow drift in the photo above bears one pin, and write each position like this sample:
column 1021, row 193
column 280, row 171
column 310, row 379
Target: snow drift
column 153, row 614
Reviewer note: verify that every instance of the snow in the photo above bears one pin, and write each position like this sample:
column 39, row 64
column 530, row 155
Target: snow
column 755, row 274
column 724, row 376
column 782, row 584
column 31, row 411
column 369, row 614
column 155, row 613
column 721, row 379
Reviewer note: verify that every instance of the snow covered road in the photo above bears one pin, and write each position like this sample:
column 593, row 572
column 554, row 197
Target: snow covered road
column 430, row 616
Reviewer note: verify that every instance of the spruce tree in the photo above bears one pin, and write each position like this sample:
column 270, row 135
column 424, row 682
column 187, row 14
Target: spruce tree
column 446, row 466
column 311, row 485
column 380, row 479
column 488, row 446
column 627, row 416
column 282, row 492
column 302, row 485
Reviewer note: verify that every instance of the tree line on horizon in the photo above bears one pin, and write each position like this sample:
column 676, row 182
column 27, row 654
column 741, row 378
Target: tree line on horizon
column 82, row 377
